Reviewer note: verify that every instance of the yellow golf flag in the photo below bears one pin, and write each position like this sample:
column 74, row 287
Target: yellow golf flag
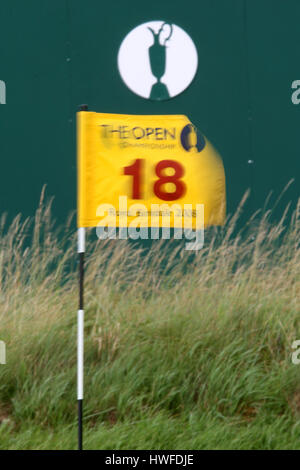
column 130, row 164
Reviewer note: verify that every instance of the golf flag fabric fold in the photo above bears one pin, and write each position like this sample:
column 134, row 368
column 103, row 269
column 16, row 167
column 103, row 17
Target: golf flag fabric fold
column 131, row 163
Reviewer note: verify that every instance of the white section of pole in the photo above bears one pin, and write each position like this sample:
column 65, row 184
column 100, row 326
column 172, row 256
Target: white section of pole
column 81, row 240
column 80, row 353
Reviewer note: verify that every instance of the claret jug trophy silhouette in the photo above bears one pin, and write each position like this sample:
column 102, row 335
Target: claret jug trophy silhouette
column 157, row 57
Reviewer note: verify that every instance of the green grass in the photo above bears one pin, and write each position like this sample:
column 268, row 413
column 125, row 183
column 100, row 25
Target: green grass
column 181, row 351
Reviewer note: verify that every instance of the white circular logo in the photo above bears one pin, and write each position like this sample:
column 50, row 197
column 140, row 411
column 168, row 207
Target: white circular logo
column 157, row 60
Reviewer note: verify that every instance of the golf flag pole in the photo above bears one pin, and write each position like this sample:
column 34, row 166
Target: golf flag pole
column 80, row 327
column 111, row 169
column 80, row 333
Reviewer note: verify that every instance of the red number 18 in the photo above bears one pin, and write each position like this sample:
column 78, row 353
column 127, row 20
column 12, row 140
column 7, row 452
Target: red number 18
column 135, row 170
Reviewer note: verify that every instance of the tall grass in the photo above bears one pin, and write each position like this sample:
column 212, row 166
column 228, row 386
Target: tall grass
column 181, row 351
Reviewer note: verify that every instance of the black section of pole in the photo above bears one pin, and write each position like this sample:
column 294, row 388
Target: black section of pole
column 79, row 424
